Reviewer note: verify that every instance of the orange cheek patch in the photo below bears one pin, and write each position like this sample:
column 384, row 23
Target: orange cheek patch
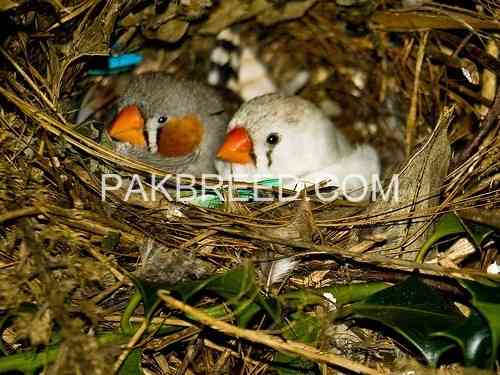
column 181, row 136
column 128, row 126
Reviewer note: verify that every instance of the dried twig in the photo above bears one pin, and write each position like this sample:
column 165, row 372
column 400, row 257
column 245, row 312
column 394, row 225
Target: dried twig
column 274, row 342
column 411, row 121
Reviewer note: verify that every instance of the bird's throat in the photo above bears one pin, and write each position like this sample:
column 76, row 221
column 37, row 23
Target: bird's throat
column 181, row 136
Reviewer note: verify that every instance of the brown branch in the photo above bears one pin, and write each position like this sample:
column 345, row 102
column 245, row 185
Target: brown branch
column 276, row 343
column 374, row 259
column 27, row 211
column 411, row 121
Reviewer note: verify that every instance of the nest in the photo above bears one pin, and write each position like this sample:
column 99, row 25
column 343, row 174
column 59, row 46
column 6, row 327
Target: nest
column 417, row 80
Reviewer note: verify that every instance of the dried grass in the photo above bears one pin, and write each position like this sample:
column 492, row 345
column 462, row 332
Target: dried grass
column 68, row 253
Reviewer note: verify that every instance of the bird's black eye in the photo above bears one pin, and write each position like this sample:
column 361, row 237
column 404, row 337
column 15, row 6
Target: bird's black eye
column 273, row 139
column 162, row 119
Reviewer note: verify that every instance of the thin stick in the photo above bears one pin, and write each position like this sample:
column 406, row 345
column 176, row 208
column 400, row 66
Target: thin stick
column 223, row 349
column 27, row 211
column 375, row 259
column 411, row 121
column 130, row 345
column 274, row 342
column 40, row 94
column 94, row 251
column 106, row 292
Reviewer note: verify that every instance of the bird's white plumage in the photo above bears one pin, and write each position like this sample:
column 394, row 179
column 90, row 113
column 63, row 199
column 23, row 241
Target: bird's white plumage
column 220, row 56
column 353, row 173
column 253, row 77
column 152, row 128
column 310, row 148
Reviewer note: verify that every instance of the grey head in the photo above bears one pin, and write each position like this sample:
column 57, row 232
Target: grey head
column 160, row 95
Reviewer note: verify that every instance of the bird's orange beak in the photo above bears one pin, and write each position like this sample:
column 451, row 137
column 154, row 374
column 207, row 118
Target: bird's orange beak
column 237, row 147
column 180, row 136
column 128, row 126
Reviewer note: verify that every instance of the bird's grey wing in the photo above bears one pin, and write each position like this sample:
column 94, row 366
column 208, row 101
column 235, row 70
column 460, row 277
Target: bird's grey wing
column 168, row 164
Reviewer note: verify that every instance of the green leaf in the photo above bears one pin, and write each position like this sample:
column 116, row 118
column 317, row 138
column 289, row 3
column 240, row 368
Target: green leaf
column 235, row 284
column 189, row 289
column 246, row 311
column 148, row 293
column 145, row 292
column 237, row 287
column 447, row 225
column 29, row 362
column 302, row 327
column 479, row 233
column 271, row 306
column 132, row 365
column 238, row 284
column 486, row 299
column 133, row 302
column 450, row 224
column 474, row 338
column 415, row 311
column 239, row 290
column 342, row 293
column 286, row 365
column 305, row 328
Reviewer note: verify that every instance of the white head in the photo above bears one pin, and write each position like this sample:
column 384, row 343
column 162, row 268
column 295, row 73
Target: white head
column 279, row 135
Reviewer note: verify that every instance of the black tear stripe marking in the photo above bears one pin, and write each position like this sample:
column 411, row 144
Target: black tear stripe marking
column 217, row 113
column 145, row 134
column 254, row 158
column 269, row 158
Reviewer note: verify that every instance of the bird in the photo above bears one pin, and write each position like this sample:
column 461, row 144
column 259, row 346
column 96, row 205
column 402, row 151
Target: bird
column 277, row 135
column 170, row 123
